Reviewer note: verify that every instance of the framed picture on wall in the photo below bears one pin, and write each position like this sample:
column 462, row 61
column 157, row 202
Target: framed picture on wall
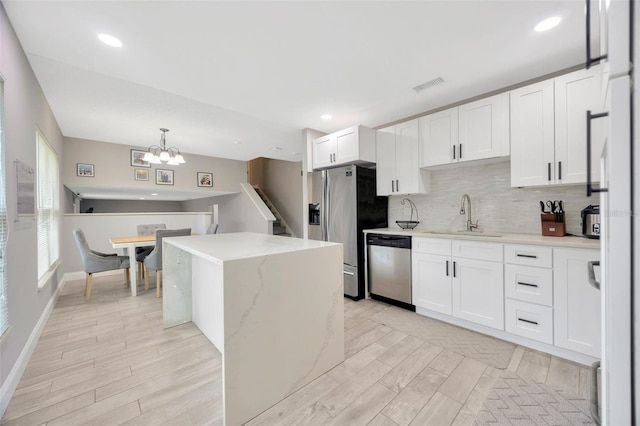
column 205, row 179
column 141, row 174
column 85, row 170
column 137, row 159
column 164, row 177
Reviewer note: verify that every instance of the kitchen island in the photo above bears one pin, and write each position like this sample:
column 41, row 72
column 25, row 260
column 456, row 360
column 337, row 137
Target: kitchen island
column 273, row 307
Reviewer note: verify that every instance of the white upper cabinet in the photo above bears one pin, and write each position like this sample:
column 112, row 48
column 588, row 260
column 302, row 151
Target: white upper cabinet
column 474, row 131
column 398, row 171
column 438, row 137
column 483, row 128
column 355, row 145
column 576, row 93
column 532, row 141
column 548, row 129
column 323, row 149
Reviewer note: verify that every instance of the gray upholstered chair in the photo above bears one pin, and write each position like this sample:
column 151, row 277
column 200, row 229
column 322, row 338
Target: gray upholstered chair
column 94, row 261
column 142, row 252
column 154, row 260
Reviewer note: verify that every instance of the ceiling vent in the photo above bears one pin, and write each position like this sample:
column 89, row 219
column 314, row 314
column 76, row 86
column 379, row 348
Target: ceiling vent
column 428, row 84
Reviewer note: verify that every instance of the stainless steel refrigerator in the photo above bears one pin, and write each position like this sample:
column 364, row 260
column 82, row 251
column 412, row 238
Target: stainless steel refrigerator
column 343, row 203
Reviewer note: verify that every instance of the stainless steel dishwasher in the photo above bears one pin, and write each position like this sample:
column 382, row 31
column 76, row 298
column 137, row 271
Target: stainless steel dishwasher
column 389, row 269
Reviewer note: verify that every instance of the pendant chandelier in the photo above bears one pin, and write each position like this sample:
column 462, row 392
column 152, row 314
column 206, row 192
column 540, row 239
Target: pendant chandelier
column 161, row 154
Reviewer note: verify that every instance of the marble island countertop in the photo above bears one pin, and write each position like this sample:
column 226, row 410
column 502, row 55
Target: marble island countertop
column 567, row 241
column 219, row 248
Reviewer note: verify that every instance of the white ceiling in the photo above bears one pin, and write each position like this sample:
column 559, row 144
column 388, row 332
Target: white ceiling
column 259, row 72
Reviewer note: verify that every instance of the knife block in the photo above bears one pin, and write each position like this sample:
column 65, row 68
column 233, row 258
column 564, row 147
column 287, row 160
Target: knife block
column 550, row 227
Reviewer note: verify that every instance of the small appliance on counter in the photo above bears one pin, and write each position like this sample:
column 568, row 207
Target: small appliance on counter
column 590, row 216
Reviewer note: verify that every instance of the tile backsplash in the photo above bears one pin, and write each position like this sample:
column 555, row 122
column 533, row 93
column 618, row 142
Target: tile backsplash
column 494, row 203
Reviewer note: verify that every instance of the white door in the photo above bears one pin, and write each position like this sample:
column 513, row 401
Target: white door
column 478, row 291
column 439, row 138
column 575, row 93
column 532, row 135
column 431, row 282
column 407, row 159
column 386, row 161
column 323, row 150
column 483, row 128
column 576, row 307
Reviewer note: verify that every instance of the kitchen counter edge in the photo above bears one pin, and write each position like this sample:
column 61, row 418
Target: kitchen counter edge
column 531, row 239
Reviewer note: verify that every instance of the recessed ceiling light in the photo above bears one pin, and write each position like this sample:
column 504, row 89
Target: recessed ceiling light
column 141, row 198
column 110, row 40
column 154, row 193
column 547, row 24
column 326, row 116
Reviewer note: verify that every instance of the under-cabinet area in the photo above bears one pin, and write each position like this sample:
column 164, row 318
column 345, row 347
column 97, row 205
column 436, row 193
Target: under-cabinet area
column 527, row 289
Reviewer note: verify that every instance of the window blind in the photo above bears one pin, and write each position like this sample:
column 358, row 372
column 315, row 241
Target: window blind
column 48, row 211
column 4, row 229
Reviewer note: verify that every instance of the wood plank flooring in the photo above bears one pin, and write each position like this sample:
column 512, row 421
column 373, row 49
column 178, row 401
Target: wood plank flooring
column 109, row 362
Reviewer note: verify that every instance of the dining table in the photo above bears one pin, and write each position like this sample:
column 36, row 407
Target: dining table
column 129, row 244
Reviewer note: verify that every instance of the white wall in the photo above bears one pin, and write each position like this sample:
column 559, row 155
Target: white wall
column 497, row 206
column 245, row 212
column 25, row 110
column 98, row 228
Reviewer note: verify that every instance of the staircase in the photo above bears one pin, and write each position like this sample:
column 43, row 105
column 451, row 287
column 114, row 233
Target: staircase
column 280, row 227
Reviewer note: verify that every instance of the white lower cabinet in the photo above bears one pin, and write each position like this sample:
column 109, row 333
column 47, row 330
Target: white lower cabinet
column 536, row 292
column 576, row 303
column 431, row 282
column 529, row 320
column 467, row 287
column 478, row 293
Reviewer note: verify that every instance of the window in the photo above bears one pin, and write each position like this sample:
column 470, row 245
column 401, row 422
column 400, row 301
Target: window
column 4, row 230
column 48, row 210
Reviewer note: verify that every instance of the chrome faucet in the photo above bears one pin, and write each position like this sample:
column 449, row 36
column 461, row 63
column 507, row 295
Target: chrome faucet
column 470, row 225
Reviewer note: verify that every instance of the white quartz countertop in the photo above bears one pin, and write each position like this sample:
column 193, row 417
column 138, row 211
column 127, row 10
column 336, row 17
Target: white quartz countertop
column 568, row 241
column 219, row 248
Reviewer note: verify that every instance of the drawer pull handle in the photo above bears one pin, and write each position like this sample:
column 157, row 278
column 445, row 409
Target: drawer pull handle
column 529, row 256
column 528, row 321
column 527, row 284
column 447, row 268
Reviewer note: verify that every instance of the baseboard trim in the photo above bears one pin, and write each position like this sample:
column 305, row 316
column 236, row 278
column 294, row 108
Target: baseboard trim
column 11, row 383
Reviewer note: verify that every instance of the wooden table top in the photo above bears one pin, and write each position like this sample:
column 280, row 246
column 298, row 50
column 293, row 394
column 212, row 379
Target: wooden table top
column 134, row 239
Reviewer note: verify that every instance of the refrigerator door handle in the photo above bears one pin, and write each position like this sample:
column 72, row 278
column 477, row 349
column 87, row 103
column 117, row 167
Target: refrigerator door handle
column 323, row 210
column 590, row 117
column 327, row 206
column 592, row 274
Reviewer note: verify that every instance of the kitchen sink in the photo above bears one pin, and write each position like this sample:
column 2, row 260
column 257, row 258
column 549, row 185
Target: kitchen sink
column 472, row 233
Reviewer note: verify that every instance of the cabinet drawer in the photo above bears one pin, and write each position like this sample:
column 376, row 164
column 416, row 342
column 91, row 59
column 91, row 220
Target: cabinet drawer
column 529, row 284
column 439, row 246
column 528, row 255
column 529, row 320
column 477, row 250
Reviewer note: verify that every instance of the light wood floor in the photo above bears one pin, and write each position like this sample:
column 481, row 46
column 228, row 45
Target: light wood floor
column 109, row 362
